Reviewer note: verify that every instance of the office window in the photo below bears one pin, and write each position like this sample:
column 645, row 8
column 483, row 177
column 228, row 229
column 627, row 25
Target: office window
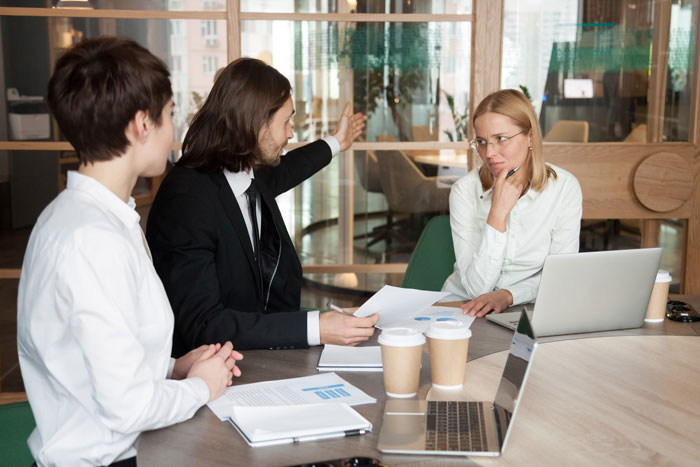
column 681, row 55
column 213, row 5
column 402, row 76
column 209, row 64
column 176, row 63
column 209, row 33
column 359, row 6
column 399, row 74
column 591, row 62
column 158, row 5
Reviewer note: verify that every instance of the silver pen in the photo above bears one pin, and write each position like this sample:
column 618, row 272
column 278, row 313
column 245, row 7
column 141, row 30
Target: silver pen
column 509, row 174
column 330, row 306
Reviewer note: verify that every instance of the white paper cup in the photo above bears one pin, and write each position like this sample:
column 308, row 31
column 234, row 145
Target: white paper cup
column 656, row 311
column 402, row 349
column 449, row 343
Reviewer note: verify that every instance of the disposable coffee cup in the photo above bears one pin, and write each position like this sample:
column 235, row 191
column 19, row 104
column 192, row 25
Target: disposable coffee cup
column 656, row 311
column 402, row 349
column 448, row 342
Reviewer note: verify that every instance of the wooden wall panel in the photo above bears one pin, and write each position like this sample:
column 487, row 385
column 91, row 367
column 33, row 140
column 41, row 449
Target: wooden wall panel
column 606, row 175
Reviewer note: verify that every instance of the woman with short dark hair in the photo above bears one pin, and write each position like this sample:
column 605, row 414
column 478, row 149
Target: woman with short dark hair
column 94, row 330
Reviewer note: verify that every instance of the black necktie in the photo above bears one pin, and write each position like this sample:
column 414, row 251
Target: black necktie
column 252, row 194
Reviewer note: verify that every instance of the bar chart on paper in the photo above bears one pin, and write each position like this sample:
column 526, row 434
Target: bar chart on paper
column 334, row 391
column 326, row 387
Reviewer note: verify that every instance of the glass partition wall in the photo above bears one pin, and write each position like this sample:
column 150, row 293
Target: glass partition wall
column 624, row 73
column 615, row 86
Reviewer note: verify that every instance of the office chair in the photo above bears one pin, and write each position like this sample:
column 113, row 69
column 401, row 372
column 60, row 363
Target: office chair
column 637, row 135
column 433, row 258
column 408, row 191
column 367, row 169
column 16, row 423
column 568, row 131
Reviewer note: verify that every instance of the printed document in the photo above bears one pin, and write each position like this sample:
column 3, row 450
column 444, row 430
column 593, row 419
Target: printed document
column 395, row 304
column 421, row 320
column 325, row 387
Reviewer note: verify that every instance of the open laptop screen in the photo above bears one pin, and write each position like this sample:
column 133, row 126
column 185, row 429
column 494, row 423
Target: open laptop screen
column 513, row 378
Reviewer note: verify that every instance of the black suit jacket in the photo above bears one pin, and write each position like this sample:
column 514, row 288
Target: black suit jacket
column 203, row 255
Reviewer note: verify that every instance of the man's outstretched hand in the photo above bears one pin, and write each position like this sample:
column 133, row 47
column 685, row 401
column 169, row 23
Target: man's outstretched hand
column 349, row 127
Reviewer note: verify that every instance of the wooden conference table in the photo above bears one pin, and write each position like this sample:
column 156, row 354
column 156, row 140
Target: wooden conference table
column 620, row 397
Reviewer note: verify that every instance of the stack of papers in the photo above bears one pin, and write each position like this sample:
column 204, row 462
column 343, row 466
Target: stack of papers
column 293, row 410
column 346, row 358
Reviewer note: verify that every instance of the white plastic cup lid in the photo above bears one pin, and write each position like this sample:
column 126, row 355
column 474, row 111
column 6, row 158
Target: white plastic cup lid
column 401, row 337
column 449, row 330
column 663, row 276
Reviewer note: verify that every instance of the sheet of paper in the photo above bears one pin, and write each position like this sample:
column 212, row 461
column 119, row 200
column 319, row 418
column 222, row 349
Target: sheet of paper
column 325, row 387
column 262, row 426
column 421, row 320
column 396, row 303
column 347, row 358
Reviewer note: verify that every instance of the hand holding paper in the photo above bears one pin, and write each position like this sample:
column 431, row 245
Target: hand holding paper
column 394, row 304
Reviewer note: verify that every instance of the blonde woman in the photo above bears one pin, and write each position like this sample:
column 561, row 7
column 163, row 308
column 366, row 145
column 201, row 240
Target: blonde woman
column 509, row 214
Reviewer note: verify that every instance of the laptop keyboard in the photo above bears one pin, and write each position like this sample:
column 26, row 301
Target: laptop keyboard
column 455, row 426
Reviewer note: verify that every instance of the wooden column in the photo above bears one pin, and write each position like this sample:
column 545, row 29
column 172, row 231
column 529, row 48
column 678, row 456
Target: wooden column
column 233, row 29
column 656, row 94
column 692, row 248
column 487, row 28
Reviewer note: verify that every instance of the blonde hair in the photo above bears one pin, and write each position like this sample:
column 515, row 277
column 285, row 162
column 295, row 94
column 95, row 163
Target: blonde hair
column 515, row 105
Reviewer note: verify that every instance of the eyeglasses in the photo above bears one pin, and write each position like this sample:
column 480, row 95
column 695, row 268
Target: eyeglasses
column 480, row 144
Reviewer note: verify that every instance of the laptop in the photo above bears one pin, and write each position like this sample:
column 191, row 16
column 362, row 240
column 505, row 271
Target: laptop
column 463, row 428
column 589, row 292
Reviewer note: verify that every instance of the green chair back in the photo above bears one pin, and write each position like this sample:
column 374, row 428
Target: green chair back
column 434, row 257
column 16, row 423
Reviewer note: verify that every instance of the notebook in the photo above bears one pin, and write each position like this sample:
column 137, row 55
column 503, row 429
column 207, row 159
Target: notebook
column 269, row 426
column 350, row 358
column 474, row 428
column 590, row 292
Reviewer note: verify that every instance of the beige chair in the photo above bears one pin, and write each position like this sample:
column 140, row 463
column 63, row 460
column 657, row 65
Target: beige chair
column 637, row 135
column 422, row 133
column 409, row 193
column 406, row 188
column 568, row 131
column 385, row 138
column 367, row 169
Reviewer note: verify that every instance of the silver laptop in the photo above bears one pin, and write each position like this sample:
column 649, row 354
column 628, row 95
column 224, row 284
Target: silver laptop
column 589, row 292
column 462, row 427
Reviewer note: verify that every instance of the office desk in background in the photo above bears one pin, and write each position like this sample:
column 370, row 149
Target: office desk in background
column 443, row 160
column 617, row 397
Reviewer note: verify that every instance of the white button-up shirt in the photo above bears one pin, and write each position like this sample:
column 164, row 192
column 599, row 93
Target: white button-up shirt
column 540, row 224
column 239, row 183
column 94, row 332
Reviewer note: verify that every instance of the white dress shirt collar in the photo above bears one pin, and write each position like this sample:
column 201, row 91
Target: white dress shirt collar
column 239, row 181
column 125, row 212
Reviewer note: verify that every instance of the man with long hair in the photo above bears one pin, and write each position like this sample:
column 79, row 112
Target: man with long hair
column 217, row 236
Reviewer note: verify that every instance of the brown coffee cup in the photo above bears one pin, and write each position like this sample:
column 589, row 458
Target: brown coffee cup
column 402, row 349
column 448, row 342
column 656, row 311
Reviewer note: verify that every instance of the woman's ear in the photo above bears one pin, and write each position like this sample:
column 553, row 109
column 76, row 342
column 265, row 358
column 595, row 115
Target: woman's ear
column 138, row 128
